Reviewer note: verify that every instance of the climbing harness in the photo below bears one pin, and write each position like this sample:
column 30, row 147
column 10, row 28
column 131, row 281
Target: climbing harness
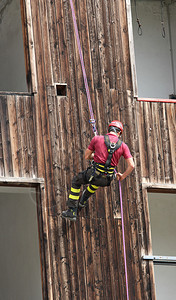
column 111, row 147
column 92, row 121
column 106, row 170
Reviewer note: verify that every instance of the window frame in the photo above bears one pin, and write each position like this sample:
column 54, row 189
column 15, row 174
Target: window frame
column 133, row 62
column 43, row 230
column 147, row 254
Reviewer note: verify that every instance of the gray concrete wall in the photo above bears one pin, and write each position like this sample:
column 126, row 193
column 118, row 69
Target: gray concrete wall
column 12, row 63
column 152, row 51
column 20, row 277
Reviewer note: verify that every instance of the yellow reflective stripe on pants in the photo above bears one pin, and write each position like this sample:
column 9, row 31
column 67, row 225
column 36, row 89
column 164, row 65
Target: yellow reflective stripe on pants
column 73, row 197
column 89, row 190
column 75, row 190
column 92, row 191
column 94, row 186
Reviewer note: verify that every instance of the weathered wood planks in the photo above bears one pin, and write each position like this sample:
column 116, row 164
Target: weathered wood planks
column 44, row 136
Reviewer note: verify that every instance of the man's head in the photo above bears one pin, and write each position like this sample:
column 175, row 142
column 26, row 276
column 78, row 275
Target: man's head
column 116, row 127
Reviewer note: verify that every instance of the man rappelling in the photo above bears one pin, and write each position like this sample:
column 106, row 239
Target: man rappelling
column 105, row 151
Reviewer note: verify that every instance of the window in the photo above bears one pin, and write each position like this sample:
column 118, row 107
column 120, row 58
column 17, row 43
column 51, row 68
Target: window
column 155, row 47
column 162, row 208
column 61, row 89
column 19, row 244
column 12, row 61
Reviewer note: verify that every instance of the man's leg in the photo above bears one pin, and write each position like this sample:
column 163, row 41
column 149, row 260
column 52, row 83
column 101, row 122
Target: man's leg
column 91, row 189
column 73, row 198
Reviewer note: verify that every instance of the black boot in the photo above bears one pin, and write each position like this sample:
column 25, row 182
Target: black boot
column 70, row 214
column 83, row 201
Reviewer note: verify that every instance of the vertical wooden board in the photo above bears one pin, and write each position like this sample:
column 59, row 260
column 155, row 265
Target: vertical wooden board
column 1, row 153
column 120, row 257
column 63, row 75
column 90, row 290
column 84, row 33
column 11, row 103
column 44, row 240
column 137, row 260
column 99, row 111
column 30, row 51
column 63, row 258
column 39, row 98
column 22, row 137
column 152, row 137
column 98, row 203
column 6, row 141
column 171, row 117
column 117, row 48
column 81, row 259
column 157, row 144
column 101, row 39
column 115, row 199
column 115, row 112
column 73, row 263
column 111, row 245
column 105, row 263
column 25, row 28
column 149, row 139
column 31, row 135
column 85, row 126
column 166, row 143
column 81, row 27
column 128, row 216
column 142, row 141
column 40, row 170
column 125, row 43
column 46, row 29
column 109, row 24
column 53, row 41
column 95, row 234
column 63, row 148
column 58, row 161
column 94, row 44
column 56, row 152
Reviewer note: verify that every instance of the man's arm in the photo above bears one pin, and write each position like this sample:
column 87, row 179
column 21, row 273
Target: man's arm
column 89, row 155
column 129, row 169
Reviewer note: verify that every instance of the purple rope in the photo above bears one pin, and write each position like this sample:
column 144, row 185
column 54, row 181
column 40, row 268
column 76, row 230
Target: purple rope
column 123, row 236
column 92, row 120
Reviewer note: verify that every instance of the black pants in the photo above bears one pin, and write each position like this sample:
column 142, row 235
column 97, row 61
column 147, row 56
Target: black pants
column 84, row 178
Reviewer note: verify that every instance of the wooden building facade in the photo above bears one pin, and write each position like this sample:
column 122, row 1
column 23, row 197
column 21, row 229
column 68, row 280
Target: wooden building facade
column 43, row 135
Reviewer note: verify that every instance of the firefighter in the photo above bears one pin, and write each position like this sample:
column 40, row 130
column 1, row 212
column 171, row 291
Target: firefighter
column 105, row 151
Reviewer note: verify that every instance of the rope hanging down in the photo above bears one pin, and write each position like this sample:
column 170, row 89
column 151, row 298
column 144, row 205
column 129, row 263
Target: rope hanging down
column 92, row 121
column 137, row 20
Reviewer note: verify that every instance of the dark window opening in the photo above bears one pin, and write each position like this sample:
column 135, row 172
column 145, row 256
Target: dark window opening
column 12, row 59
column 20, row 276
column 162, row 208
column 155, row 48
column 61, row 89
